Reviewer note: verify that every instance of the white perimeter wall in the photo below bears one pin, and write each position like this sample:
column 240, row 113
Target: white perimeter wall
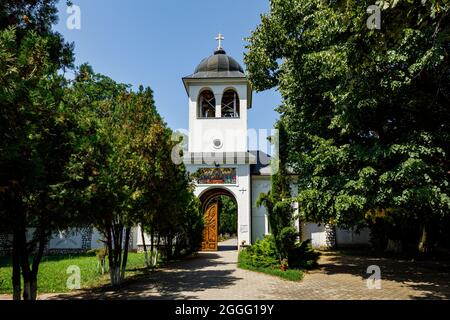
column 260, row 223
column 72, row 239
column 313, row 231
column 66, row 240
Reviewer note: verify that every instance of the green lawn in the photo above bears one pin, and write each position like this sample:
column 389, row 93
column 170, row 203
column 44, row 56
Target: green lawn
column 289, row 274
column 53, row 275
column 266, row 263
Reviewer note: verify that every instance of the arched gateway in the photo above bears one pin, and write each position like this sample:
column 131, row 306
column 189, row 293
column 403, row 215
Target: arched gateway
column 210, row 208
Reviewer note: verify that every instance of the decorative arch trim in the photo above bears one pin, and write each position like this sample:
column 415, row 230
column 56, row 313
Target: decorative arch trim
column 211, row 193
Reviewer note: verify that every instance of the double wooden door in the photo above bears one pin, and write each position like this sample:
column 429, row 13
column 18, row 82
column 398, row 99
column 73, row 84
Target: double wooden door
column 210, row 230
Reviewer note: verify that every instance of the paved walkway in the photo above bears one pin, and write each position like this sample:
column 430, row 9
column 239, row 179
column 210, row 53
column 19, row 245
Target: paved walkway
column 215, row 276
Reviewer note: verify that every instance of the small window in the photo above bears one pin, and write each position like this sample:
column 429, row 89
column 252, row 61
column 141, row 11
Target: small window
column 230, row 104
column 206, row 105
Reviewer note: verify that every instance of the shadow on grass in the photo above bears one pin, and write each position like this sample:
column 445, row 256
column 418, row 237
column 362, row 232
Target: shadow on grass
column 432, row 277
column 188, row 275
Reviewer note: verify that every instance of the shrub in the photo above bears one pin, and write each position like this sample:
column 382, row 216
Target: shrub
column 287, row 241
column 303, row 256
column 189, row 230
column 263, row 253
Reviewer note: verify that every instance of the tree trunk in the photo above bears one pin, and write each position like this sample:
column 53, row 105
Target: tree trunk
column 423, row 244
column 115, row 254
column 155, row 256
column 145, row 248
column 16, row 281
column 111, row 258
column 24, row 263
column 152, row 247
column 169, row 248
column 35, row 267
column 33, row 288
column 26, row 290
column 177, row 250
column 394, row 246
column 154, row 261
column 125, row 252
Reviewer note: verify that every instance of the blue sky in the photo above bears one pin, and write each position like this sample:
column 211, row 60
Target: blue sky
column 157, row 42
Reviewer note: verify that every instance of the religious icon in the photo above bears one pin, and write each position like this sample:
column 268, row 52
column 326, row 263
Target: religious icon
column 216, row 176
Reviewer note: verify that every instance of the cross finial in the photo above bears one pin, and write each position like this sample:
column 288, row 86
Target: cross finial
column 219, row 38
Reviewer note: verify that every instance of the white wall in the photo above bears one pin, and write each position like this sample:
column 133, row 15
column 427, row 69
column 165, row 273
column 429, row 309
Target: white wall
column 139, row 241
column 350, row 237
column 95, row 240
column 260, row 223
column 72, row 239
column 316, row 232
column 66, row 240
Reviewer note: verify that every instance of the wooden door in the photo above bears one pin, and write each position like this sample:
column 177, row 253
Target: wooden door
column 210, row 232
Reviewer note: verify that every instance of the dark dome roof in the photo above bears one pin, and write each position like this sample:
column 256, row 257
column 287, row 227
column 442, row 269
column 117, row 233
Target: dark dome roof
column 217, row 66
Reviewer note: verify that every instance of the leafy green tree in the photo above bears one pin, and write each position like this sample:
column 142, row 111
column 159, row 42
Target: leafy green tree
column 365, row 111
column 177, row 201
column 111, row 171
column 122, row 173
column 173, row 219
column 34, row 134
column 227, row 216
column 278, row 200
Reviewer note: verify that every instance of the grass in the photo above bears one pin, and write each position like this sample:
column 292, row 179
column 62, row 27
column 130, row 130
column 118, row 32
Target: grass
column 52, row 276
column 289, row 274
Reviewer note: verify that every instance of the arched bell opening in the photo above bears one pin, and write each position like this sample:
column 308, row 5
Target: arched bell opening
column 206, row 104
column 230, row 104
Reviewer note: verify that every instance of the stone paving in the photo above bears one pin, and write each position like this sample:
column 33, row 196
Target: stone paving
column 215, row 276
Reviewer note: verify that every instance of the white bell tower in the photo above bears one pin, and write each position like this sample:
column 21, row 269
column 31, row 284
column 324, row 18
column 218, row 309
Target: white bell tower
column 219, row 97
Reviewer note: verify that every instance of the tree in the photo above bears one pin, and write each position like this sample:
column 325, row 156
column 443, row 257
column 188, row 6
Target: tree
column 176, row 207
column 112, row 170
column 278, row 201
column 227, row 216
column 35, row 133
column 172, row 217
column 366, row 111
column 121, row 172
